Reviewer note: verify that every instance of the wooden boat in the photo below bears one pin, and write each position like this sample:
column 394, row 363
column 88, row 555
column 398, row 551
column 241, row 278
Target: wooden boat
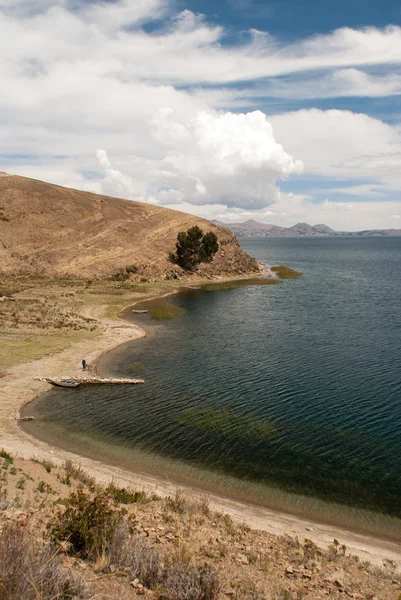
column 69, row 383
column 140, row 312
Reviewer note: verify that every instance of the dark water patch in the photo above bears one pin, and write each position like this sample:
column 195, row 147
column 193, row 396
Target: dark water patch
column 237, row 283
column 286, row 272
column 164, row 310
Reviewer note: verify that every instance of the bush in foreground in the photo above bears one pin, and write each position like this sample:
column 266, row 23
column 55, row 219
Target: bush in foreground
column 30, row 571
column 184, row 582
column 95, row 528
column 88, row 524
column 176, row 580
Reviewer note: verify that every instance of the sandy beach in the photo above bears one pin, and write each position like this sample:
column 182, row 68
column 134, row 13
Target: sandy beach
column 18, row 388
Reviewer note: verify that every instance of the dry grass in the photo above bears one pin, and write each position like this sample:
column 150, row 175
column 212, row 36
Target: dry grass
column 110, row 235
column 123, row 495
column 46, row 315
column 176, row 578
column 183, row 503
column 136, row 556
column 78, row 473
column 183, row 582
column 178, row 547
column 31, row 571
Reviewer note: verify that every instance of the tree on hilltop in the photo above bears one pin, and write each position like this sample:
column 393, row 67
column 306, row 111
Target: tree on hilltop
column 193, row 247
column 209, row 245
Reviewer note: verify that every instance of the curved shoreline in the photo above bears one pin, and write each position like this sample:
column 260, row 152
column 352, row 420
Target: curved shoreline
column 19, row 389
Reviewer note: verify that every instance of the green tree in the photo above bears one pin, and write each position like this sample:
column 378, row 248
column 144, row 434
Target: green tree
column 193, row 247
column 209, row 245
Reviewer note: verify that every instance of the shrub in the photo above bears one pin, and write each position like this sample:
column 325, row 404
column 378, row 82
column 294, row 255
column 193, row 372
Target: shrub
column 127, row 496
column 78, row 473
column 6, row 455
column 311, row 550
column 124, row 273
column 182, row 503
column 335, row 550
column 137, row 556
column 177, row 503
column 29, row 571
column 183, row 582
column 47, row 465
column 87, row 523
column 44, row 487
column 176, row 578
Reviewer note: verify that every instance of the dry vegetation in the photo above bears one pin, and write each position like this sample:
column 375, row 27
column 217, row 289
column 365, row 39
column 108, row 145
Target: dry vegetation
column 54, row 231
column 63, row 536
column 40, row 316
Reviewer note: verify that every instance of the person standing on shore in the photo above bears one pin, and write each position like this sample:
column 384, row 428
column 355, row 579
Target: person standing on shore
column 83, row 364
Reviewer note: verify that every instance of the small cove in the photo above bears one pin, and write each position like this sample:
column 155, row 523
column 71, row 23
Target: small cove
column 286, row 395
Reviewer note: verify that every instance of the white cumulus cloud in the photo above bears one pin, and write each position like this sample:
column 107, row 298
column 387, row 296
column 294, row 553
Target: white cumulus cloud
column 222, row 158
column 207, row 158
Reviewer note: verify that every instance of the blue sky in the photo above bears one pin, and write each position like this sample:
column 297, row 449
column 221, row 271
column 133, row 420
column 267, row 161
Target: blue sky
column 278, row 111
column 289, row 19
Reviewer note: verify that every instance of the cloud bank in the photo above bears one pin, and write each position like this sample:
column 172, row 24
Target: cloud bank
column 173, row 108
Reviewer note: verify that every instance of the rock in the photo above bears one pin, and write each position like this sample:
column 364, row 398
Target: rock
column 241, row 558
column 4, row 504
column 337, row 579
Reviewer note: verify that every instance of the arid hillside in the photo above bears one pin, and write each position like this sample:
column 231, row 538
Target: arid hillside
column 63, row 534
column 50, row 230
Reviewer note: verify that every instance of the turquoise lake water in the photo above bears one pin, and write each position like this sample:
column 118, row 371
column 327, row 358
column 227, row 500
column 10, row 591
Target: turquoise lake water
column 285, row 395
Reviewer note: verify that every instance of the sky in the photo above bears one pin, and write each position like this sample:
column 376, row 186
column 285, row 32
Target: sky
column 280, row 111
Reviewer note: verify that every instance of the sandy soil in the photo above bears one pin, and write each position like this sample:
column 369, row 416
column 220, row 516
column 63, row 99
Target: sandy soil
column 18, row 388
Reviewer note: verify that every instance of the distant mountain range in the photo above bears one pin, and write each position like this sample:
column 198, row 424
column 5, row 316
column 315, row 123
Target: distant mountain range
column 252, row 228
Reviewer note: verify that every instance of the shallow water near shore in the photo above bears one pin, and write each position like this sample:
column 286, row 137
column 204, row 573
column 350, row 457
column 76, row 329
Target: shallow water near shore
column 287, row 395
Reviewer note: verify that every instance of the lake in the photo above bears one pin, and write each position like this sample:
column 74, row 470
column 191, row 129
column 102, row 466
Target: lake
column 287, row 395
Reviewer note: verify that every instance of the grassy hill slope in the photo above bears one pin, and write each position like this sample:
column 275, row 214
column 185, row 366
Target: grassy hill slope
column 51, row 230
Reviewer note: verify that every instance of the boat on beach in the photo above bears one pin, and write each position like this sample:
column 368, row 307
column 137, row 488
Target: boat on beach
column 69, row 383
column 140, row 312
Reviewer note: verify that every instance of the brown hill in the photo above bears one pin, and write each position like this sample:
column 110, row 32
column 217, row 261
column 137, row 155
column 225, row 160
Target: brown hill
column 51, row 230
